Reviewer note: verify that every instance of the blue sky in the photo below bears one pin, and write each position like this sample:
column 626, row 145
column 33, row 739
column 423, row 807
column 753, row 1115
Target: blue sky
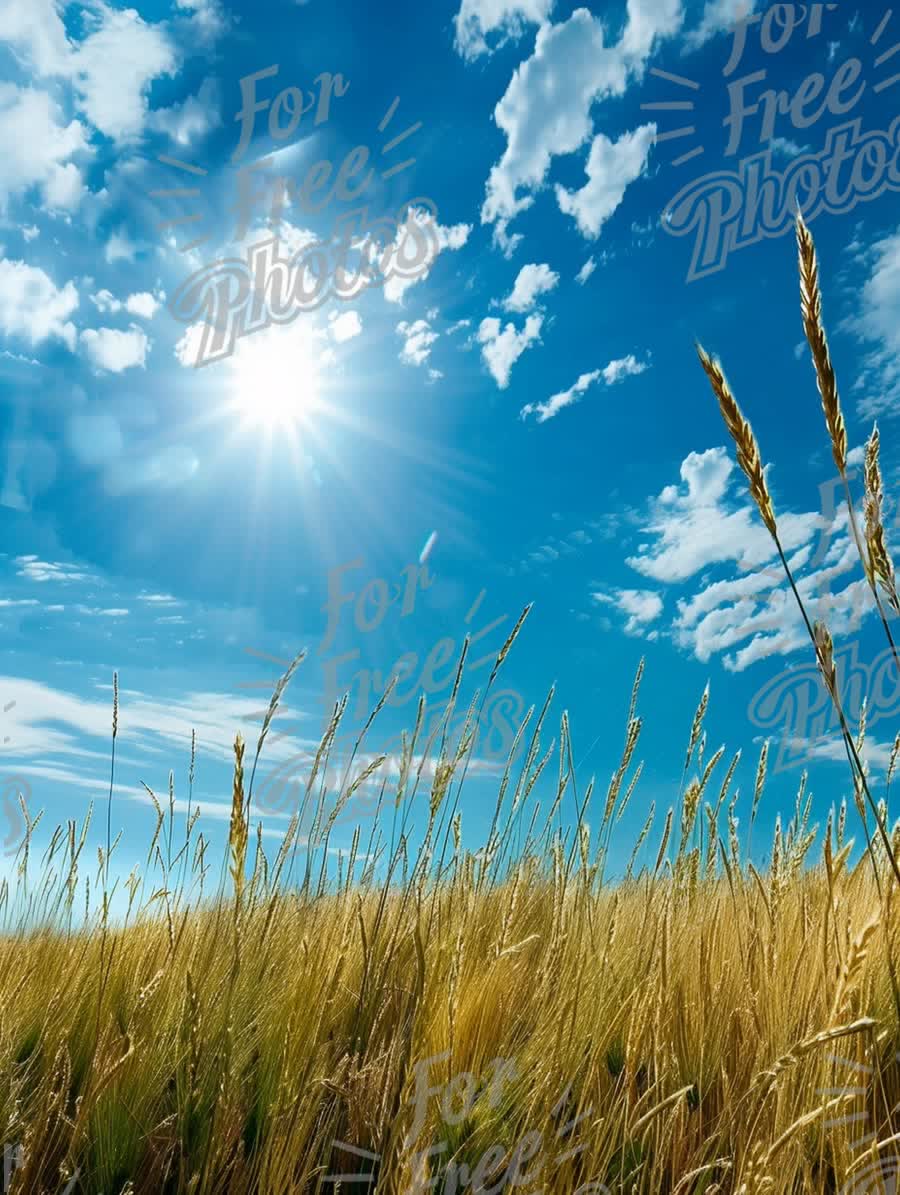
column 533, row 398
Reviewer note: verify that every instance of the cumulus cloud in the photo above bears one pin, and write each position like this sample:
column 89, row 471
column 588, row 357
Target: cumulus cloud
column 546, row 109
column 615, row 371
column 105, row 301
column 36, row 143
column 188, row 345
column 693, row 526
column 190, row 120
column 33, row 307
column 112, row 70
column 344, row 326
column 143, row 304
column 502, row 346
column 418, row 337
column 506, row 19
column 112, row 350
column 36, row 32
column 119, row 247
column 705, row 537
column 531, row 282
column 640, row 606
column 611, row 167
column 445, row 238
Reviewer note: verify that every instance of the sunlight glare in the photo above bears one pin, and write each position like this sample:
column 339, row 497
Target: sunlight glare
column 276, row 383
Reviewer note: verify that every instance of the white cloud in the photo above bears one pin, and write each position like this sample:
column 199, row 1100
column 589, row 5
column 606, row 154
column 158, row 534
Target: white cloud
column 532, row 281
column 547, row 410
column 41, row 571
column 787, row 147
column 641, row 606
column 444, row 237
column 878, row 324
column 113, row 67
column 119, row 248
column 505, row 18
column 105, row 300
column 64, row 188
column 207, row 21
column 344, row 326
column 585, row 272
column 693, row 525
column 418, row 340
column 623, row 367
column 36, row 31
column 187, row 348
column 143, row 304
column 545, row 554
column 113, row 350
column 33, row 307
column 719, row 16
column 35, row 145
column 739, row 606
column 614, row 372
column 501, row 347
column 30, row 231
column 546, row 110
column 611, row 167
column 189, row 121
column 47, row 721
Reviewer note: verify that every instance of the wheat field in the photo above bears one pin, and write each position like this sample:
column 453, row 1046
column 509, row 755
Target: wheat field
column 421, row 1017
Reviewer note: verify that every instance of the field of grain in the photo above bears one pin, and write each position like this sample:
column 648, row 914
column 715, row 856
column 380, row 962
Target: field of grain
column 427, row 1018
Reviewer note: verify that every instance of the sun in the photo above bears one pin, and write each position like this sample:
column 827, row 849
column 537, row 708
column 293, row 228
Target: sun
column 275, row 383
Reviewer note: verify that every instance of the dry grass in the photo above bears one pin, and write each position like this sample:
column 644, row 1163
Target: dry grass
column 685, row 1028
column 421, row 1018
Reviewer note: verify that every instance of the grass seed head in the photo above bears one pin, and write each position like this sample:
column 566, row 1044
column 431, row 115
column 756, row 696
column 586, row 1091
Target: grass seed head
column 744, row 440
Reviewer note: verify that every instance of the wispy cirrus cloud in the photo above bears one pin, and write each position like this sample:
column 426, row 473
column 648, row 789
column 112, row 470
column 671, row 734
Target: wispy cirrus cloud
column 615, row 371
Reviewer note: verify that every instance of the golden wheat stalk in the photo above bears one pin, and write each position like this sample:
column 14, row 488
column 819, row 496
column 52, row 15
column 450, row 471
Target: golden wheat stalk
column 811, row 307
column 237, row 829
column 879, row 566
column 744, row 440
column 750, row 461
